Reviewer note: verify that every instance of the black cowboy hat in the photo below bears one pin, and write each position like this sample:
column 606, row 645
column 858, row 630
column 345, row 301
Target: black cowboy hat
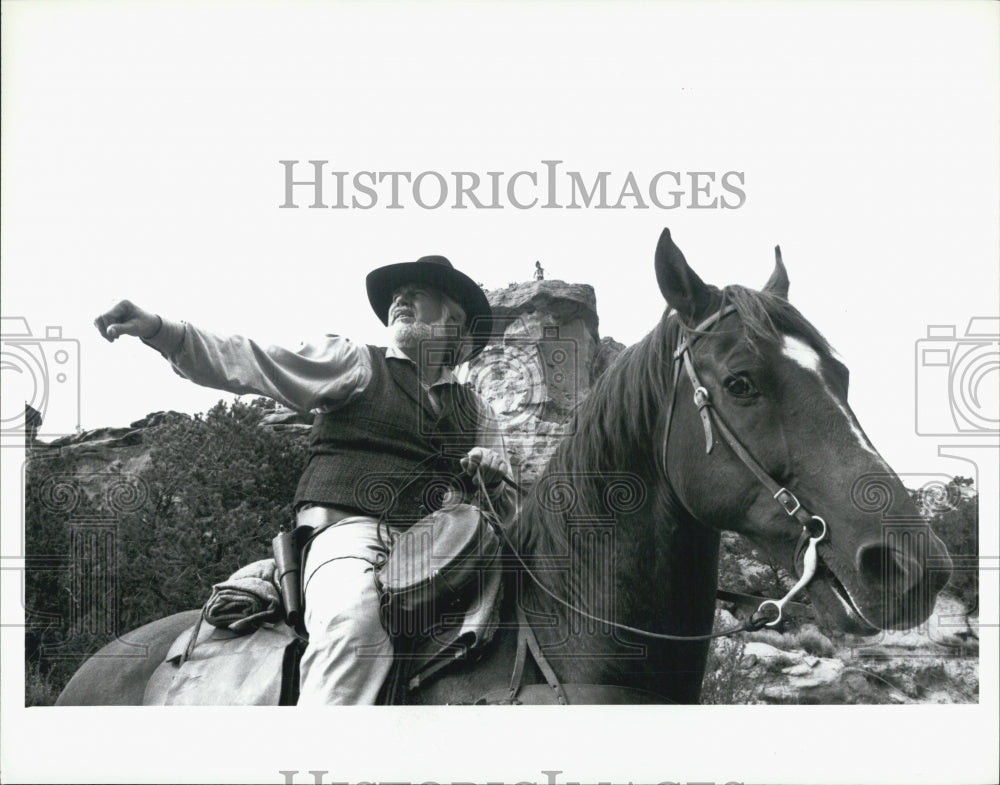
column 437, row 272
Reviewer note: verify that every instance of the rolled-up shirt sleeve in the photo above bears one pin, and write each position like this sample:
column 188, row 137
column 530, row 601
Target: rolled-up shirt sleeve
column 319, row 376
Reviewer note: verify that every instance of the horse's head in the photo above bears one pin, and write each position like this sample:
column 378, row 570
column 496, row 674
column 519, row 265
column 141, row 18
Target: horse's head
column 775, row 384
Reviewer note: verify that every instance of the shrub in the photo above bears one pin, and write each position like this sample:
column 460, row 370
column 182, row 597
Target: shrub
column 814, row 642
column 779, row 663
column 39, row 688
column 770, row 637
column 728, row 674
column 215, row 491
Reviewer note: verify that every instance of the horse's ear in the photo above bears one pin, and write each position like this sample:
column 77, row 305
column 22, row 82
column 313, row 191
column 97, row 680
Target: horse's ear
column 777, row 284
column 681, row 287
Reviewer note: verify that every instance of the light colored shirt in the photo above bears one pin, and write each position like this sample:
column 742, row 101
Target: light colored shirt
column 319, row 377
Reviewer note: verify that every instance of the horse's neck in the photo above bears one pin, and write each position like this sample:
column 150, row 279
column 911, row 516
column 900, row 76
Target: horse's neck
column 651, row 568
column 655, row 571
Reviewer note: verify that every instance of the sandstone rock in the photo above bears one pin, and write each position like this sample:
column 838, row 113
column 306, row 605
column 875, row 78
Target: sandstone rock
column 947, row 626
column 770, row 637
column 762, row 650
column 562, row 302
column 796, row 669
column 104, row 435
column 724, row 620
column 159, row 418
column 539, row 366
column 802, row 682
column 607, row 352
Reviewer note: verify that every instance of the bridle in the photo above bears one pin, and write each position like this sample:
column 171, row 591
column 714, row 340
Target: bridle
column 808, row 540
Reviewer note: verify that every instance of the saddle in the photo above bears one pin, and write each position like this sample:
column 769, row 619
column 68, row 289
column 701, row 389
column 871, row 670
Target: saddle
column 211, row 666
column 258, row 665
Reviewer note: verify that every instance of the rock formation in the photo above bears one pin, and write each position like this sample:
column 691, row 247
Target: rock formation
column 540, row 366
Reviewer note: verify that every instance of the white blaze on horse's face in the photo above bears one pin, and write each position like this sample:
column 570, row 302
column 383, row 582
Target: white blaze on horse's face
column 798, row 350
column 804, row 355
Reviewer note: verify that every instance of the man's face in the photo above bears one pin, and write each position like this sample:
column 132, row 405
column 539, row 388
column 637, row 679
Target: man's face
column 416, row 303
column 421, row 313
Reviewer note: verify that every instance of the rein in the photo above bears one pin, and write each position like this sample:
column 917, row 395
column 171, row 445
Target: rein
column 749, row 626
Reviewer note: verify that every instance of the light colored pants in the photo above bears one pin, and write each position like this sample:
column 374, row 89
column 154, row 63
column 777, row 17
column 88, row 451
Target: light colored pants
column 349, row 653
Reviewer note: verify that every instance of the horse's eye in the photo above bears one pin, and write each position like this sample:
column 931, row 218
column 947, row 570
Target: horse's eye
column 740, row 387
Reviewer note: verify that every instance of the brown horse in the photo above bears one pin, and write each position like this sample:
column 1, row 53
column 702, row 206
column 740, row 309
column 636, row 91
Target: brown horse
column 624, row 524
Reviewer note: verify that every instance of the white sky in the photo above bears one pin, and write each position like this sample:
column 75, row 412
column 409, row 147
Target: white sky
column 140, row 159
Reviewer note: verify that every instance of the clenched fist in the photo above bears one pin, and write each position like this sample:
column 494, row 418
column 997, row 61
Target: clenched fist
column 490, row 464
column 127, row 318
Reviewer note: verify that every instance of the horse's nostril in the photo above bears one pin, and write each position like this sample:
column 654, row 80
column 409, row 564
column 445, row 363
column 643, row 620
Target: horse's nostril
column 896, row 571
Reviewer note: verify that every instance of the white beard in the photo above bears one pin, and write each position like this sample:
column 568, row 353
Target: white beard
column 440, row 349
column 408, row 335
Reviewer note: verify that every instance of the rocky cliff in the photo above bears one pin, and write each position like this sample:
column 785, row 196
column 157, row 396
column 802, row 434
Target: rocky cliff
column 542, row 363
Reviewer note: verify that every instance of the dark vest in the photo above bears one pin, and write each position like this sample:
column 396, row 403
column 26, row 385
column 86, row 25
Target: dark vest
column 386, row 452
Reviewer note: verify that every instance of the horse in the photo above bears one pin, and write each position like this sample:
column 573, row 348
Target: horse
column 730, row 414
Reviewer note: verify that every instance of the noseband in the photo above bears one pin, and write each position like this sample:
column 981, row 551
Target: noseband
column 813, row 527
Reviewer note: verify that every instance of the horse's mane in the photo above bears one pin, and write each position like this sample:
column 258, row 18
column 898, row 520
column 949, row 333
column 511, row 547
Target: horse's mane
column 610, row 450
column 599, row 465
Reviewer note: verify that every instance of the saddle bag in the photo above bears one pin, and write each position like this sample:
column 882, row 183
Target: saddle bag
column 438, row 562
column 207, row 666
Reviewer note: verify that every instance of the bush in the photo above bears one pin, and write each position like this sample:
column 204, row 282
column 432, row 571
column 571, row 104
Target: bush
column 218, row 489
column 214, row 492
column 728, row 678
column 745, row 568
column 813, row 642
column 39, row 688
column 770, row 637
column 779, row 663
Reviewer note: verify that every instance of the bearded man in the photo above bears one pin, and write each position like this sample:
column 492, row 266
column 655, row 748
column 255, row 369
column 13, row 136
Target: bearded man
column 394, row 436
